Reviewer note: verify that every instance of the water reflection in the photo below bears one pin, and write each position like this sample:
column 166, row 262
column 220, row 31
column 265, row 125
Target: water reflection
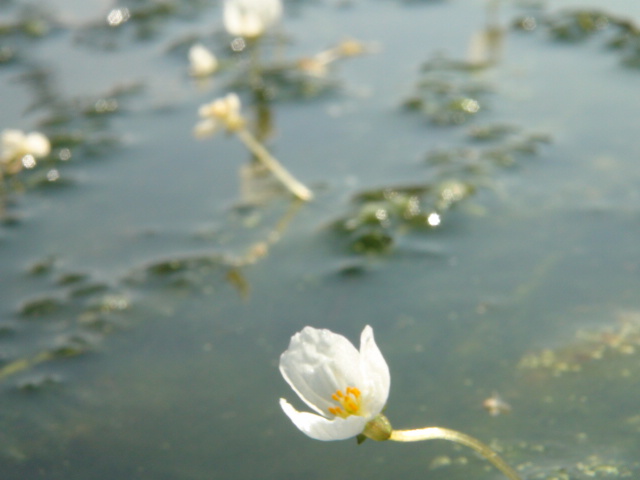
column 486, row 46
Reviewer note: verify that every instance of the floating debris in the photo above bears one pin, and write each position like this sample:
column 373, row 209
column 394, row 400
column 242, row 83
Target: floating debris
column 496, row 405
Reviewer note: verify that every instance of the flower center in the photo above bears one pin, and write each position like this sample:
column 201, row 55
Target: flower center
column 348, row 402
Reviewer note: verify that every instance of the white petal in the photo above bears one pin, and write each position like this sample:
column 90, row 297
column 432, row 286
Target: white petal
column 238, row 20
column 38, row 145
column 317, row 363
column 233, row 103
column 202, row 61
column 13, row 144
column 321, row 428
column 250, row 18
column 270, row 11
column 205, row 128
column 375, row 373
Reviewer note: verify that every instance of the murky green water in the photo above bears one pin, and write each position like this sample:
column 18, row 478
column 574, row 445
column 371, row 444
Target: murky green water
column 145, row 302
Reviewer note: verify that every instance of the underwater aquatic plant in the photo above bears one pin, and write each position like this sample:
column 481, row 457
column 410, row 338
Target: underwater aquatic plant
column 348, row 388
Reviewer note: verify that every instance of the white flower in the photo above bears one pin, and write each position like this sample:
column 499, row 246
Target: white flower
column 346, row 387
column 223, row 112
column 203, row 62
column 18, row 148
column 250, row 18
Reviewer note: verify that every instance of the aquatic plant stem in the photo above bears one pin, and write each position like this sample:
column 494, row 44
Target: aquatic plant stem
column 255, row 65
column 275, row 167
column 24, row 363
column 3, row 197
column 438, row 433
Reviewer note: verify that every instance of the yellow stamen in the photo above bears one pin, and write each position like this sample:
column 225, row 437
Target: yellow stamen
column 349, row 402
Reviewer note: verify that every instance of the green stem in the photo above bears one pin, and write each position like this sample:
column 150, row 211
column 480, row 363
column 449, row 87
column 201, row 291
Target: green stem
column 255, row 67
column 24, row 363
column 438, row 433
column 281, row 173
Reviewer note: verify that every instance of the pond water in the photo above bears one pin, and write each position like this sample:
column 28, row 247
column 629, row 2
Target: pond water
column 476, row 202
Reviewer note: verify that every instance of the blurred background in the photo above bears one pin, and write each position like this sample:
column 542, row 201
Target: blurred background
column 475, row 174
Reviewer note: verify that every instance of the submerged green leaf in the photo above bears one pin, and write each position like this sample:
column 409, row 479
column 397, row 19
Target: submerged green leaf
column 618, row 33
column 379, row 216
column 37, row 383
column 41, row 307
column 71, row 346
column 447, row 93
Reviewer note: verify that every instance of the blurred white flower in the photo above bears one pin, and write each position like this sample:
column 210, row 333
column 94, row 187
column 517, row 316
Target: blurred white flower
column 221, row 113
column 202, row 61
column 318, row 64
column 346, row 387
column 250, row 18
column 18, row 149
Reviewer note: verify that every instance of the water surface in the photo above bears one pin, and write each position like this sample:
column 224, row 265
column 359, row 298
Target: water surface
column 133, row 269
